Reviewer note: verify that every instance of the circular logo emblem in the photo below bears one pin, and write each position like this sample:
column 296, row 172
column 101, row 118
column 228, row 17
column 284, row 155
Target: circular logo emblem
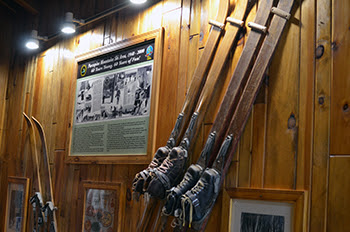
column 83, row 70
column 149, row 52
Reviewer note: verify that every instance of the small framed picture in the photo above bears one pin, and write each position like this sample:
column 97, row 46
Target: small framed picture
column 259, row 210
column 103, row 211
column 16, row 204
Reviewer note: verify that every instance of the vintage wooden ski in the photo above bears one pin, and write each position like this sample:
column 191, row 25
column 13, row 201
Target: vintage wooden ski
column 49, row 207
column 36, row 199
column 281, row 15
column 198, row 79
column 233, row 26
column 225, row 112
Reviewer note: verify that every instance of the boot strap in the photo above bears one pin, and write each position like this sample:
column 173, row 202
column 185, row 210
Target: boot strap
column 195, row 203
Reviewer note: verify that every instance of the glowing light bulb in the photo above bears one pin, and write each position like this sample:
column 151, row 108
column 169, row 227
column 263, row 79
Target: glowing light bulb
column 138, row 1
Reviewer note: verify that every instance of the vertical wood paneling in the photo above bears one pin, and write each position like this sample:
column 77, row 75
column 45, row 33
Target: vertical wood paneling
column 282, row 110
column 258, row 145
column 193, row 57
column 151, row 18
column 167, row 96
column 66, row 77
column 338, row 200
column 320, row 159
column 306, row 93
column 340, row 98
column 183, row 55
column 130, row 21
column 195, row 17
column 244, row 155
column 5, row 39
column 289, row 122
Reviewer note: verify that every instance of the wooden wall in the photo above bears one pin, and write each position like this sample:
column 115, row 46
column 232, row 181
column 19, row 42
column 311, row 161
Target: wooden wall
column 297, row 137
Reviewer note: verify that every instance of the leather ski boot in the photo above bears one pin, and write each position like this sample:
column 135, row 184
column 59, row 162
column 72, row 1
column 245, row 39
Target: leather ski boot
column 198, row 202
column 141, row 177
column 191, row 177
column 168, row 174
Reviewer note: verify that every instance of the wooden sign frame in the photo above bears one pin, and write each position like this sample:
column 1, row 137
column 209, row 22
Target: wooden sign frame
column 123, row 158
column 99, row 213
column 297, row 198
column 23, row 183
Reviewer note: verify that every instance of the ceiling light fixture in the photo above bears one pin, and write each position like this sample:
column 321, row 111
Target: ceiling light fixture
column 138, row 1
column 69, row 25
column 33, row 41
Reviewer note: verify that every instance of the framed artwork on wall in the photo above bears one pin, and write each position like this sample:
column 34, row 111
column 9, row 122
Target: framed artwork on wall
column 16, row 204
column 257, row 210
column 114, row 112
column 103, row 206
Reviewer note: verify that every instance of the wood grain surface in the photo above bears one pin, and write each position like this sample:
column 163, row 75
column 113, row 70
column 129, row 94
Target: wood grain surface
column 296, row 138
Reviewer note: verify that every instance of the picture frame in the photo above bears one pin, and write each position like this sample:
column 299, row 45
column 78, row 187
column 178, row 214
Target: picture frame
column 103, row 209
column 114, row 112
column 280, row 210
column 16, row 204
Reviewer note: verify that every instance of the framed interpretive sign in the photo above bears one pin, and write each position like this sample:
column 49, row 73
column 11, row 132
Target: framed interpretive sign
column 103, row 209
column 266, row 210
column 16, row 204
column 115, row 101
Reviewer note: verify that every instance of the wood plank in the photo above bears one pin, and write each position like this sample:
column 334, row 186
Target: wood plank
column 130, row 21
column 244, row 155
column 195, row 17
column 204, row 19
column 183, row 55
column 258, row 147
column 338, row 198
column 306, row 92
column 151, row 18
column 4, row 71
column 167, row 95
column 13, row 129
column 320, row 156
column 282, row 110
column 170, row 5
column 193, row 57
column 340, row 94
column 64, row 100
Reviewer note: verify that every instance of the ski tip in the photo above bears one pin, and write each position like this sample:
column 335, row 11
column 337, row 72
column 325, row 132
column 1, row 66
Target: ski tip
column 36, row 121
column 25, row 115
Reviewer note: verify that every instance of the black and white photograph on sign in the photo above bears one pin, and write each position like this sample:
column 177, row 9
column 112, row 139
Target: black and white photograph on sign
column 251, row 222
column 122, row 94
column 261, row 216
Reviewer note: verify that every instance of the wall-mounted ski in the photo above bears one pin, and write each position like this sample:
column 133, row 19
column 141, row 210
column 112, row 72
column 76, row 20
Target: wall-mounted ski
column 49, row 207
column 198, row 79
column 36, row 200
column 199, row 203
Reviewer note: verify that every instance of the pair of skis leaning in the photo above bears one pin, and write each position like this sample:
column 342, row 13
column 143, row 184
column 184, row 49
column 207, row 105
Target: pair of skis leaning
column 156, row 183
column 198, row 79
column 197, row 201
column 42, row 212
